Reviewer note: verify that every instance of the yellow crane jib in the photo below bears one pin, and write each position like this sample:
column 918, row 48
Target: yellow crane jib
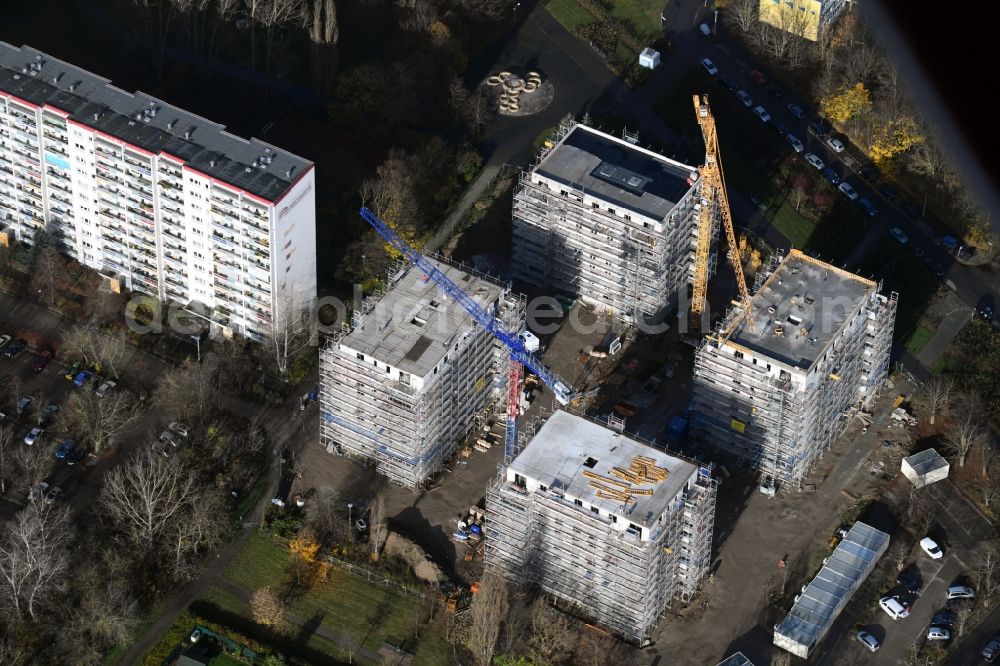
column 713, row 194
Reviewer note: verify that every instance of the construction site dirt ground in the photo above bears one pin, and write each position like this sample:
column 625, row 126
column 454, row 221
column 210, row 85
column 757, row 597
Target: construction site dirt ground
column 753, row 533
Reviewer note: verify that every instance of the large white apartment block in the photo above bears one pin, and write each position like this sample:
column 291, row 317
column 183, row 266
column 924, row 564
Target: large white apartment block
column 609, row 222
column 404, row 386
column 778, row 394
column 167, row 202
column 611, row 526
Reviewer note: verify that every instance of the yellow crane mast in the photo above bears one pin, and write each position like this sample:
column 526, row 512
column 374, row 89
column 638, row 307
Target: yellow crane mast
column 713, row 190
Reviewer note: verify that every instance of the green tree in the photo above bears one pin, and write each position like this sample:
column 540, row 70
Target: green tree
column 846, row 104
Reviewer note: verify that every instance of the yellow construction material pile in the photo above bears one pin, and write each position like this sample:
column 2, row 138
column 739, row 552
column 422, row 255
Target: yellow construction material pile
column 640, row 470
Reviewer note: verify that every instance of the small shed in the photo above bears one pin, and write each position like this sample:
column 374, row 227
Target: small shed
column 925, row 468
column 737, row 659
column 649, row 58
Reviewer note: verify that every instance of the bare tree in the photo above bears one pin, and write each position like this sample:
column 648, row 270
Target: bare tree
column 324, row 34
column 200, row 528
column 965, row 432
column 32, row 463
column 106, row 352
column 489, row 608
column 987, row 453
column 6, row 437
column 267, row 609
column 515, row 626
column 935, row 398
column 34, row 556
column 988, row 571
column 288, row 332
column 47, row 275
column 475, row 108
column 744, row 14
column 327, row 515
column 157, row 16
column 273, row 14
column 190, row 392
column 379, row 528
column 146, row 496
column 491, row 9
column 551, row 631
column 989, row 489
column 100, row 420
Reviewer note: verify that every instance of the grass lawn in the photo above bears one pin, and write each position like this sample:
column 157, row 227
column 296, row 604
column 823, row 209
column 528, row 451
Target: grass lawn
column 793, row 226
column 226, row 660
column 643, row 14
column 920, row 337
column 569, row 13
column 346, row 603
column 225, row 600
column 901, row 271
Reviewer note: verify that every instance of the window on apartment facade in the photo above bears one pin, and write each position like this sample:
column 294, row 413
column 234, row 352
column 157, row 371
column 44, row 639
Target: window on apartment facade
column 578, row 502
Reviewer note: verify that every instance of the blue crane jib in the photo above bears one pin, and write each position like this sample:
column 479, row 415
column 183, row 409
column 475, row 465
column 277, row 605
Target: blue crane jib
column 514, row 345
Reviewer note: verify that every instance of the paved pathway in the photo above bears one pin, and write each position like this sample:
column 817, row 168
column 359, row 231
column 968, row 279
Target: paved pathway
column 946, row 331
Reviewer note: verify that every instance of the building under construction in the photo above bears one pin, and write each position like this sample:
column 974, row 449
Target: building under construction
column 609, row 525
column 777, row 388
column 405, row 383
column 607, row 221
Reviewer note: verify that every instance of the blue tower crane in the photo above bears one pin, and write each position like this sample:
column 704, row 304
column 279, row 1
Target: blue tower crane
column 519, row 355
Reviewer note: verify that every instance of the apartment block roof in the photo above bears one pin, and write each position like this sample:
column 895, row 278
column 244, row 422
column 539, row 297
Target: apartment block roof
column 800, row 309
column 148, row 123
column 414, row 325
column 567, row 446
column 626, row 176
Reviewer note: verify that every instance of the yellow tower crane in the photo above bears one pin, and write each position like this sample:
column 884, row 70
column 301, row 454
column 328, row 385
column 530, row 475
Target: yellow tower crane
column 713, row 190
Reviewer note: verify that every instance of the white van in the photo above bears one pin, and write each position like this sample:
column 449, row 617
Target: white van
column 705, row 30
column 893, row 608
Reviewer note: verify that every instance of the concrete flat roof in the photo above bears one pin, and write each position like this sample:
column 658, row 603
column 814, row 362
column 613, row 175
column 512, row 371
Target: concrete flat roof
column 559, row 452
column 91, row 100
column 810, row 301
column 627, row 177
column 414, row 325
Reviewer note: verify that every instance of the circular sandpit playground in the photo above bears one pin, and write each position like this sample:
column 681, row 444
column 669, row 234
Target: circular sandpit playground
column 520, row 94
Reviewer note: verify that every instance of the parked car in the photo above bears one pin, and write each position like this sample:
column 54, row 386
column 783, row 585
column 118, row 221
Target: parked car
column 836, row 145
column 903, row 239
column 938, row 634
column 820, row 127
column 795, row 143
column 745, row 98
column 55, row 492
column 848, row 191
column 909, row 578
column 42, row 359
column 14, row 348
column 868, row 640
column 76, row 455
column 984, row 307
column 729, row 84
column 762, row 114
column 991, row 649
column 705, row 30
column 82, row 378
column 911, row 209
column 869, row 173
column 779, row 127
column 709, row 66
column 796, row 111
column 888, row 191
column 758, row 77
column 104, row 388
column 868, row 207
column 831, row 175
column 160, row 448
column 893, row 608
column 944, row 618
column 38, row 491
column 4, row 339
column 815, row 161
column 169, row 437
column 33, row 436
column 23, row 404
column 961, row 592
column 775, row 92
column 65, row 449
